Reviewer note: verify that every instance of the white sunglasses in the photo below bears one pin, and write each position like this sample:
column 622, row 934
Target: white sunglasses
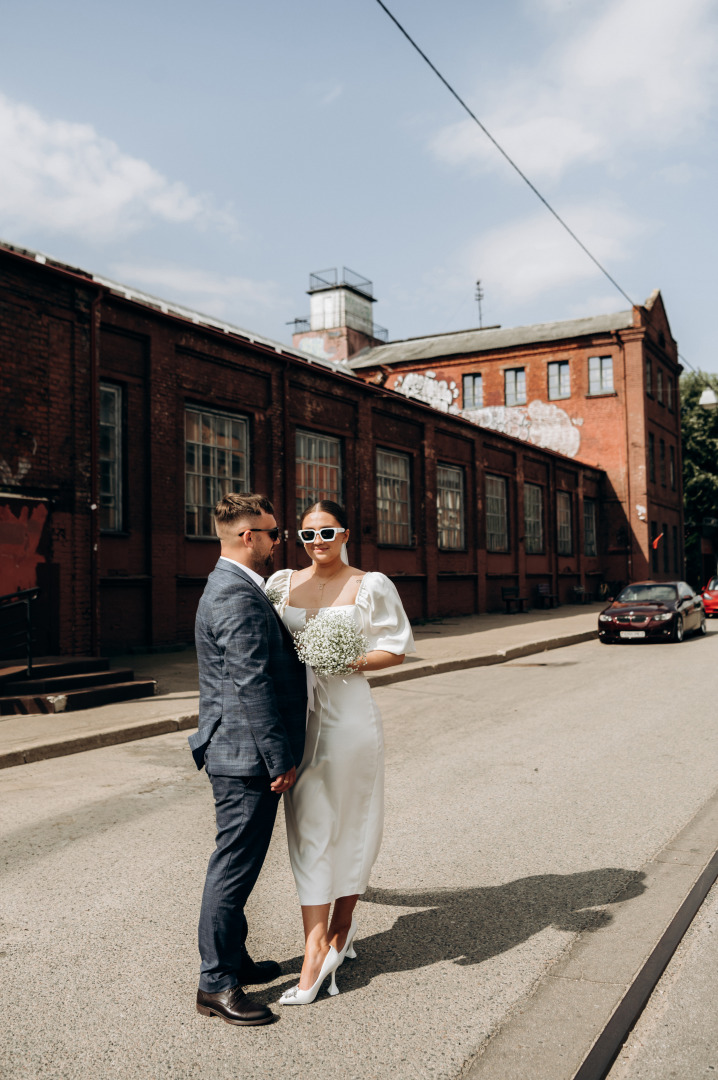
column 307, row 535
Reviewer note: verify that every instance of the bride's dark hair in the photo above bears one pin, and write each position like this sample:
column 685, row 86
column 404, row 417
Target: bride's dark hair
column 326, row 506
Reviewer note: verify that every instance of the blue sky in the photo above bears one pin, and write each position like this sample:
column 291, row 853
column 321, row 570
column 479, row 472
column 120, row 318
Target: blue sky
column 216, row 154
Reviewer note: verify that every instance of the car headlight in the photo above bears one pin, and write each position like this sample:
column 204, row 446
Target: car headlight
column 605, row 618
column 663, row 617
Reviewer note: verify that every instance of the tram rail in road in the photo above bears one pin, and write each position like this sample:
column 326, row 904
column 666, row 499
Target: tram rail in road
column 602, row 1056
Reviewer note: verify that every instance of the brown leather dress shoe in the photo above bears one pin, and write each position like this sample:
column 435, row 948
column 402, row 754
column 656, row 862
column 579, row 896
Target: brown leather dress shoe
column 234, row 1007
column 262, row 972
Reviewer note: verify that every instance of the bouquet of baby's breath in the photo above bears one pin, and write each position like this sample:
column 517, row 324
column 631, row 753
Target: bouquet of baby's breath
column 331, row 643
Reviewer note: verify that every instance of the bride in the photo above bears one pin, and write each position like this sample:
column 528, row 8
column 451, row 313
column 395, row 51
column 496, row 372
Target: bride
column 335, row 810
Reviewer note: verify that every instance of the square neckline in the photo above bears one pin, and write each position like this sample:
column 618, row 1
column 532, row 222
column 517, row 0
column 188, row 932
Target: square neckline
column 327, row 607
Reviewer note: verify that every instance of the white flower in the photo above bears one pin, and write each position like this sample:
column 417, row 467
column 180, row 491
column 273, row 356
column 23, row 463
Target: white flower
column 274, row 596
column 331, row 643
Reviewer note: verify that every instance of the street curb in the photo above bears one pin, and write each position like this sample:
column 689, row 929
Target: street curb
column 438, row 667
column 147, row 729
column 97, row 739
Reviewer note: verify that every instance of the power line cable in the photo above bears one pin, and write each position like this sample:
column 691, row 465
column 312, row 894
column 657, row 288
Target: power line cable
column 514, row 166
column 501, row 150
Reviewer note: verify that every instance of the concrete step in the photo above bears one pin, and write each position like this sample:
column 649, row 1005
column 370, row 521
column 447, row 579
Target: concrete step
column 71, row 700
column 63, row 683
column 46, row 667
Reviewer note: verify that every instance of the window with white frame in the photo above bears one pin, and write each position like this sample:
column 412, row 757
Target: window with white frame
column 450, row 507
column 559, row 380
column 473, row 391
column 216, row 462
column 393, row 498
column 600, row 375
column 563, row 514
column 497, row 520
column 533, row 519
column 590, row 543
column 111, row 479
column 319, row 470
column 515, row 386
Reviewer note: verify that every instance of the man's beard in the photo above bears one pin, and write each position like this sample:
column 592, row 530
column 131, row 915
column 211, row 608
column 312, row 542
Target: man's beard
column 264, row 565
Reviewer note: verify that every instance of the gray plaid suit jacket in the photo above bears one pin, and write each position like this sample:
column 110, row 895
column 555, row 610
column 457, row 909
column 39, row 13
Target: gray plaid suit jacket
column 252, row 685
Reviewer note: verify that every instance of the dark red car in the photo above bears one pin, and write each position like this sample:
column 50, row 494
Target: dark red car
column 710, row 597
column 652, row 611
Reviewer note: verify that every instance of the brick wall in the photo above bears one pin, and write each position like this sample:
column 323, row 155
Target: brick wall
column 149, row 573
column 614, row 426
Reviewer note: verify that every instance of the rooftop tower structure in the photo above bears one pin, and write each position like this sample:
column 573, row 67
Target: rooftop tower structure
column 340, row 322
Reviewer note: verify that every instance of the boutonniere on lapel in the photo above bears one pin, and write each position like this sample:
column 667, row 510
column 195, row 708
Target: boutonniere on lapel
column 274, row 596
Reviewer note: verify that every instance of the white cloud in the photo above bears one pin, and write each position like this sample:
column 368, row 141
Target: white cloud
column 65, row 177
column 533, row 256
column 228, row 297
column 681, row 173
column 632, row 74
column 543, row 145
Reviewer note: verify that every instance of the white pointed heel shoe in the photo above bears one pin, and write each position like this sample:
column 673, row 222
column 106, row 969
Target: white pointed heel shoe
column 348, row 952
column 295, row 996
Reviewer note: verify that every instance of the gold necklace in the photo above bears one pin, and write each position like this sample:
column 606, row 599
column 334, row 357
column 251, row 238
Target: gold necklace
column 321, row 585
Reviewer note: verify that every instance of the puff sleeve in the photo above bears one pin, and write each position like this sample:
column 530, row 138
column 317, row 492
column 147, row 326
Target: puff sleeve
column 279, row 582
column 383, row 618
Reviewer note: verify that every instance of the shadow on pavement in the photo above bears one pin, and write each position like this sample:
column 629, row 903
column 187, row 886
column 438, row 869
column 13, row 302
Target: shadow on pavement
column 469, row 926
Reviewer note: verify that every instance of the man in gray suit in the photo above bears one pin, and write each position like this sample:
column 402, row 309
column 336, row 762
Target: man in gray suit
column 252, row 717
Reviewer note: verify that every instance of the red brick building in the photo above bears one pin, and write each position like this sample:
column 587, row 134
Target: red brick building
column 602, row 390
column 123, row 417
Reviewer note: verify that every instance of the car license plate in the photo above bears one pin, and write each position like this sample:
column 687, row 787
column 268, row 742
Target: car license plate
column 633, row 633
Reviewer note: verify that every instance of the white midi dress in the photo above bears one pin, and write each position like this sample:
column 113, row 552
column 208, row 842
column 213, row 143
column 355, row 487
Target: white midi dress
column 335, row 811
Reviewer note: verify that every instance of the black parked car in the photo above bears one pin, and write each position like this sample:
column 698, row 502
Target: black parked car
column 652, row 611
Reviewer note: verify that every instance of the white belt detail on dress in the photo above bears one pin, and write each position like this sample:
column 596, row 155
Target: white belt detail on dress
column 320, row 702
column 311, row 683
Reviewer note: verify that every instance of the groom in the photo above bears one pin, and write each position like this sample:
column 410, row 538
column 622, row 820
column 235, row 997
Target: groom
column 252, row 714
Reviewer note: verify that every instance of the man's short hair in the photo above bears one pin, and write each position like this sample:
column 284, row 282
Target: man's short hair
column 234, row 507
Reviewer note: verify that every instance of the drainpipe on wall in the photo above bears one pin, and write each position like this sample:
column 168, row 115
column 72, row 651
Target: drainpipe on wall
column 629, row 553
column 95, row 474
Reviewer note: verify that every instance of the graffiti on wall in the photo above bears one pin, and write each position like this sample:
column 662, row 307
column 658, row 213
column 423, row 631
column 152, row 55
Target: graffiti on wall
column 425, row 387
column 20, row 535
column 10, row 476
column 541, row 423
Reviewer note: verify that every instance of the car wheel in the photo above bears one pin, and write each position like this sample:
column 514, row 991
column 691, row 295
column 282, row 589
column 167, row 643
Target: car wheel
column 677, row 629
column 703, row 628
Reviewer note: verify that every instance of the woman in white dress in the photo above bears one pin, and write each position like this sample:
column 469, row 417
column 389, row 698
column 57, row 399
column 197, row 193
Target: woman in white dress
column 335, row 811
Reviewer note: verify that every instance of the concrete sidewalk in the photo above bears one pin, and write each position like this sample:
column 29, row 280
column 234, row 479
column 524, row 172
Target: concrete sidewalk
column 442, row 645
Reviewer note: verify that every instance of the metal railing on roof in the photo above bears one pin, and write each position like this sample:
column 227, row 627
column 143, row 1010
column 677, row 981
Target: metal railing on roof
column 332, row 279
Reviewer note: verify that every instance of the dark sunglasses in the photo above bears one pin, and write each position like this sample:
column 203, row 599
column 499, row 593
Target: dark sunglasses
column 273, row 534
column 329, row 534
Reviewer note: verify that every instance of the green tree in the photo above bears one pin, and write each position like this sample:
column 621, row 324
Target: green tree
column 699, row 432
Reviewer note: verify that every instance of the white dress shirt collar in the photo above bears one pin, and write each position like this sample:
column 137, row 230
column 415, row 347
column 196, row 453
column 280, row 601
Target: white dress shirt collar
column 256, row 578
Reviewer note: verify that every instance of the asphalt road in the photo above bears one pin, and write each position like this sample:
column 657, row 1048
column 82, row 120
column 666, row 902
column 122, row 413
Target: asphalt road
column 521, row 800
